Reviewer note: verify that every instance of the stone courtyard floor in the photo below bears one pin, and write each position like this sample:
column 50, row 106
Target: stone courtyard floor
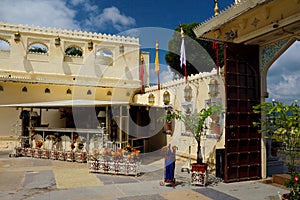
column 30, row 178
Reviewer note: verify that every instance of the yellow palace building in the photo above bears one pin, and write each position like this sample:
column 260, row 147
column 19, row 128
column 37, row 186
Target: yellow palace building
column 61, row 81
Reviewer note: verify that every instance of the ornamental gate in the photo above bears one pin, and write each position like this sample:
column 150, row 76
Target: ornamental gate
column 242, row 140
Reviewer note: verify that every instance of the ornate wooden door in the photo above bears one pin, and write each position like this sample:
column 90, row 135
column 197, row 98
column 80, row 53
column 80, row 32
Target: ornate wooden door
column 242, row 140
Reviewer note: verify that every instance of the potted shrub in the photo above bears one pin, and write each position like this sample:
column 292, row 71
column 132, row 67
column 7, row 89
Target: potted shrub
column 196, row 124
column 284, row 128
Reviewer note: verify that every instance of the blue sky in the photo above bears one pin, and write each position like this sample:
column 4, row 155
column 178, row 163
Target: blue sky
column 152, row 19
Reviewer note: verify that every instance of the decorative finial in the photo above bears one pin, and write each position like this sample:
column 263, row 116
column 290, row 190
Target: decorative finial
column 216, row 9
column 181, row 31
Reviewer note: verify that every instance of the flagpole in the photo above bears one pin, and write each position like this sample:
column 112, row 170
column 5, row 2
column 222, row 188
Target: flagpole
column 216, row 48
column 142, row 74
column 157, row 65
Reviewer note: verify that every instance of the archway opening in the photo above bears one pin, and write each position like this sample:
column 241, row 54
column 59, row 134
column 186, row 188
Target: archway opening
column 283, row 80
column 283, row 77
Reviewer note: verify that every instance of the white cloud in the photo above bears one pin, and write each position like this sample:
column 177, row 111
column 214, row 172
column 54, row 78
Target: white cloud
column 287, row 86
column 166, row 75
column 283, row 77
column 59, row 14
column 111, row 16
column 42, row 13
column 76, row 2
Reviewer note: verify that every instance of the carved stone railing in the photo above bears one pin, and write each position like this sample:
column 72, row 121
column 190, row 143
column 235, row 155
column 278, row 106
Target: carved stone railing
column 53, row 154
column 125, row 165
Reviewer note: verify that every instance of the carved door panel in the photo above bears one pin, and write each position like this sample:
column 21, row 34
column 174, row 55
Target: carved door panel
column 242, row 140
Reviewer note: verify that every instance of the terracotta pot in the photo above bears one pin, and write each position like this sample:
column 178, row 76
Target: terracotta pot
column 199, row 167
column 168, row 126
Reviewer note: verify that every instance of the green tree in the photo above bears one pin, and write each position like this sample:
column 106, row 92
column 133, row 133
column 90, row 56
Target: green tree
column 196, row 123
column 200, row 55
column 73, row 51
column 284, row 127
column 37, row 50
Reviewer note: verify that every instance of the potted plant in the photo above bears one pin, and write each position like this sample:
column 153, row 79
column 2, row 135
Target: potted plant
column 196, row 124
column 284, row 128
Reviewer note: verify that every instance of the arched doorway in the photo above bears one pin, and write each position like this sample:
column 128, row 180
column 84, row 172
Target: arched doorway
column 281, row 78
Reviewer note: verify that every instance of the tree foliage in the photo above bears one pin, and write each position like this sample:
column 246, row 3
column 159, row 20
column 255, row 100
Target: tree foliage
column 73, row 51
column 282, row 123
column 200, row 55
column 195, row 122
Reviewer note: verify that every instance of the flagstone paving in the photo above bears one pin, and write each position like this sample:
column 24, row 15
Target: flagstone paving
column 30, row 178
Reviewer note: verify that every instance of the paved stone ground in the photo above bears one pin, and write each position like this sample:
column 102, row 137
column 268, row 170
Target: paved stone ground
column 30, row 178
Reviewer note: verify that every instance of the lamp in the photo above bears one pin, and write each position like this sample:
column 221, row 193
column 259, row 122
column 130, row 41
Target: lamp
column 17, row 37
column 102, row 114
column 57, row 41
column 166, row 97
column 90, row 45
column 213, row 88
column 188, row 93
column 121, row 49
column 34, row 114
column 151, row 99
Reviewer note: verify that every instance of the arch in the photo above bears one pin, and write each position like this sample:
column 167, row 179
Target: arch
column 4, row 45
column 24, row 89
column 282, row 76
column 37, row 47
column 104, row 56
column 271, row 53
column 47, row 90
column 69, row 91
column 74, row 51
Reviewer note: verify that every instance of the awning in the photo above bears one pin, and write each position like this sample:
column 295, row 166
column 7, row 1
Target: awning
column 68, row 103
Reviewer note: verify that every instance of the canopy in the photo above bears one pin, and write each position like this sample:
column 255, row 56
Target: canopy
column 68, row 103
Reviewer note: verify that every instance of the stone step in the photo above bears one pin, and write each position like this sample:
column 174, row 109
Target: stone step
column 280, row 178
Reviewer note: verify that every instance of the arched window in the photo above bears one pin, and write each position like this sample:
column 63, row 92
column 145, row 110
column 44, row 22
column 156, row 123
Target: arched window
column 73, row 51
column 47, row 90
column 108, row 93
column 104, row 57
column 89, row 92
column 38, row 48
column 1, row 88
column 69, row 91
column 4, row 45
column 24, row 89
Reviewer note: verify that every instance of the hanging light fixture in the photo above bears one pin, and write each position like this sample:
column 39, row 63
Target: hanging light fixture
column 166, row 98
column 151, row 99
column 90, row 45
column 57, row 41
column 102, row 114
column 213, row 88
column 121, row 49
column 188, row 93
column 17, row 37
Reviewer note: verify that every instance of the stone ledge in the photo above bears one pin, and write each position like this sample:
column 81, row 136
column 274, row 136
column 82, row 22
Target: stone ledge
column 280, row 178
